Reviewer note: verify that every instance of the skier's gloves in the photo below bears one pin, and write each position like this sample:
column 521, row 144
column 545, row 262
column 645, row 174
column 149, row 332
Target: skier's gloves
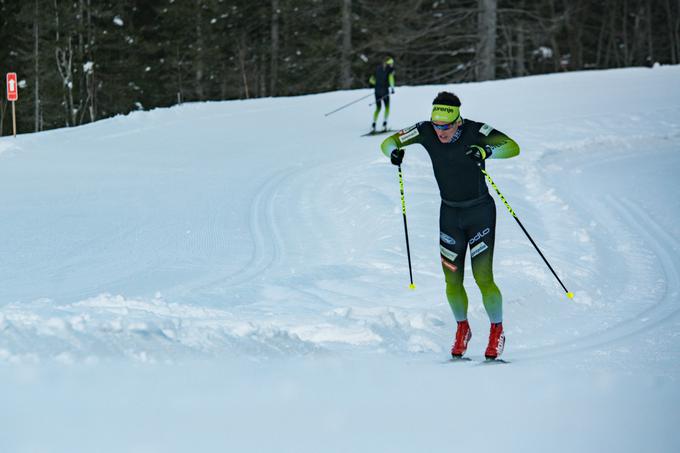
column 391, row 90
column 396, row 156
column 478, row 154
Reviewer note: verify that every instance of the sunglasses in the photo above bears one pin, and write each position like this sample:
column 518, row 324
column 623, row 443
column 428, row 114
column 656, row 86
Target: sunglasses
column 444, row 127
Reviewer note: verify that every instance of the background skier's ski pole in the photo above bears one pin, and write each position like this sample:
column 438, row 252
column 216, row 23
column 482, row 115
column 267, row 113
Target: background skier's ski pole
column 347, row 105
column 403, row 210
column 507, row 205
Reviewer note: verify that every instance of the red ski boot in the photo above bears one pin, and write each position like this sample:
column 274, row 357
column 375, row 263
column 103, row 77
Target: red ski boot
column 496, row 342
column 463, row 335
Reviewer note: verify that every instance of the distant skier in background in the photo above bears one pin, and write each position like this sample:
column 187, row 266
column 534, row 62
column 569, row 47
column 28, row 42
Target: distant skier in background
column 383, row 82
column 467, row 217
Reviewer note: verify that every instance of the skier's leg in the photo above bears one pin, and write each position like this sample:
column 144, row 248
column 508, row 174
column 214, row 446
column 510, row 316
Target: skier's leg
column 452, row 247
column 378, row 106
column 455, row 292
column 482, row 233
column 386, row 100
column 482, row 269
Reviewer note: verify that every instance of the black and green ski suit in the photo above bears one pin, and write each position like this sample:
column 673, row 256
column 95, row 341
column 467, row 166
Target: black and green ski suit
column 467, row 213
column 382, row 80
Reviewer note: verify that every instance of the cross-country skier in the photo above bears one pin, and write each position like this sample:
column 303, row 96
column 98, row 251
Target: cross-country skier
column 383, row 82
column 467, row 218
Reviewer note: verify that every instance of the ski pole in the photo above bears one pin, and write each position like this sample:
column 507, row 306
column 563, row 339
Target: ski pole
column 403, row 210
column 347, row 105
column 570, row 295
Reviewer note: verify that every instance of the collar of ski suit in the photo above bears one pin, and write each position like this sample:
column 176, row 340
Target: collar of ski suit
column 458, row 133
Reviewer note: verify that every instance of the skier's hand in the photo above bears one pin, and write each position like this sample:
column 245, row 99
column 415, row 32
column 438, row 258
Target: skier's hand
column 397, row 156
column 391, row 90
column 478, row 153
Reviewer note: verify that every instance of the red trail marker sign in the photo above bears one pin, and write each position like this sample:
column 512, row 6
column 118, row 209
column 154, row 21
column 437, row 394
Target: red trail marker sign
column 12, row 87
column 13, row 95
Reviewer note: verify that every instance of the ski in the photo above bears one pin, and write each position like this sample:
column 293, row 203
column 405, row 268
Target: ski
column 493, row 362
column 385, row 131
column 459, row 359
column 482, row 362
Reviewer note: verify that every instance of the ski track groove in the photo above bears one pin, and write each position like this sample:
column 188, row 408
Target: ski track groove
column 659, row 313
column 594, row 212
column 268, row 248
column 266, row 252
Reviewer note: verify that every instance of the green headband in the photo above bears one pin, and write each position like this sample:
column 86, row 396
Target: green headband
column 445, row 113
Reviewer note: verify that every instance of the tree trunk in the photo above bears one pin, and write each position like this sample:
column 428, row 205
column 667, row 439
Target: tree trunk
column 223, row 84
column 486, row 50
column 673, row 22
column 611, row 35
column 273, row 77
column 518, row 65
column 65, row 66
column 520, row 57
column 91, row 86
column 242, row 65
column 650, row 42
column 346, row 55
column 36, row 59
column 200, row 94
column 64, row 56
column 600, row 42
column 3, row 107
column 575, row 33
column 676, row 33
column 88, row 88
column 641, row 35
column 69, row 85
column 624, row 33
column 262, row 73
column 553, row 30
column 179, row 79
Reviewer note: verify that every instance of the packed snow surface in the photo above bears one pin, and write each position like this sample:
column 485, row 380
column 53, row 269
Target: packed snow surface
column 233, row 276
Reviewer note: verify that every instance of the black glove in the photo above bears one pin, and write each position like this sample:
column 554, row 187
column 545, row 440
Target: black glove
column 396, row 156
column 478, row 153
column 392, row 90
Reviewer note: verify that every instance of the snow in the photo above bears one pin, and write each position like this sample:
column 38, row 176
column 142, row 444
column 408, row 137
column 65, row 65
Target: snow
column 233, row 276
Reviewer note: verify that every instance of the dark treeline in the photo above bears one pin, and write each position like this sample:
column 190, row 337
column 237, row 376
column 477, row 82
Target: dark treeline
column 83, row 60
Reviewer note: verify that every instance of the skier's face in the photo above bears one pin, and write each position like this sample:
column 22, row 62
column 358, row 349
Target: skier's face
column 445, row 131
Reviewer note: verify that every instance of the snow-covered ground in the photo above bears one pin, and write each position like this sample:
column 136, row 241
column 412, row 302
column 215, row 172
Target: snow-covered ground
column 232, row 276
